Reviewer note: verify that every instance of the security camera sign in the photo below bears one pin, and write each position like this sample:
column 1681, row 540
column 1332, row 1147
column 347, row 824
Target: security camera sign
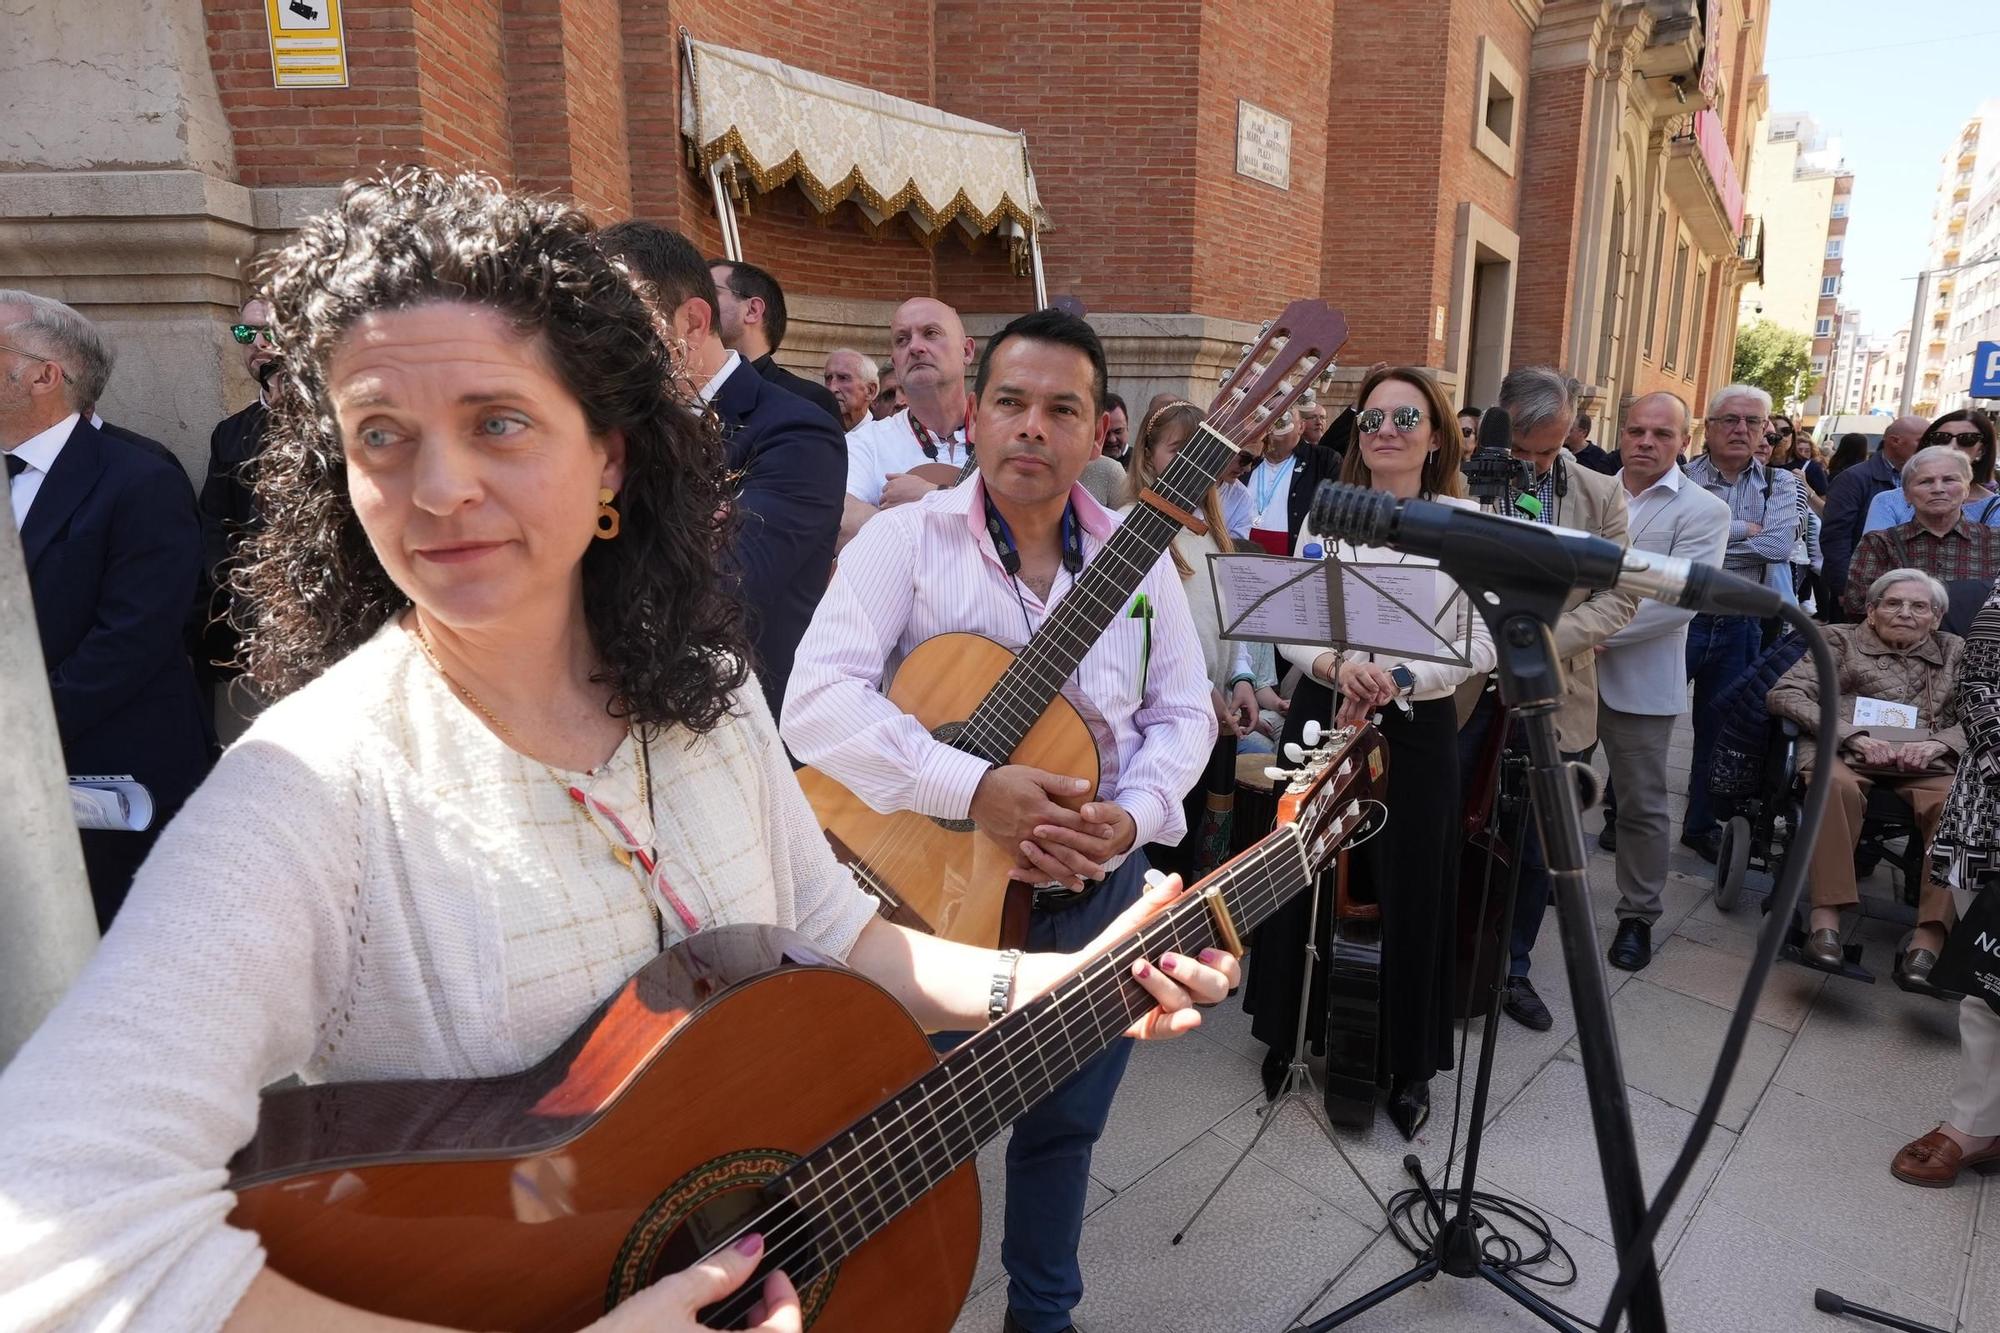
column 308, row 44
column 1986, row 370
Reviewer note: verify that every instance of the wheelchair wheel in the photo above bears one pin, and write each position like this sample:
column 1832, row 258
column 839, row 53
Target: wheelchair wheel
column 1732, row 862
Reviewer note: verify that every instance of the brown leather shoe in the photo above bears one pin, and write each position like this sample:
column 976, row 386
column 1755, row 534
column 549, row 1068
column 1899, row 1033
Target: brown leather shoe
column 1934, row 1160
column 1823, row 948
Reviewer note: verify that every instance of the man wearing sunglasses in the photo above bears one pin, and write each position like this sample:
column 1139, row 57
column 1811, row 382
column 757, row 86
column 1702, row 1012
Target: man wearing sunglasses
column 228, row 511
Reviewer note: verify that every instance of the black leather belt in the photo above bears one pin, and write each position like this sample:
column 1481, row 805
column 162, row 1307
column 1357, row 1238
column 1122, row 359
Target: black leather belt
column 1055, row 898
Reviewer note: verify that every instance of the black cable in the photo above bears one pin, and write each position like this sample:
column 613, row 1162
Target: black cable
column 1514, row 1254
column 1784, row 903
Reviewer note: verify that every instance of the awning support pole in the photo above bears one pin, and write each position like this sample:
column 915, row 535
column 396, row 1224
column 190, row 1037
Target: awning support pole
column 1041, row 282
column 725, row 212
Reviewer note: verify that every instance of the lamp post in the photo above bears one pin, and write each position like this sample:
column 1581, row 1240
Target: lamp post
column 1917, row 320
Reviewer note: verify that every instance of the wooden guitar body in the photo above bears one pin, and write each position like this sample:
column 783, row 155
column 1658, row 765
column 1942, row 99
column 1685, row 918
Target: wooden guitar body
column 540, row 1200
column 950, row 880
column 946, row 475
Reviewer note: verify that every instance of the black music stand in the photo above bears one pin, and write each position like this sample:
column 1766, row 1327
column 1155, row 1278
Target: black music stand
column 1531, row 684
column 1298, row 1085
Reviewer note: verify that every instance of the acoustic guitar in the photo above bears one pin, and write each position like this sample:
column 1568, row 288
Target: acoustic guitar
column 1007, row 708
column 737, row 1083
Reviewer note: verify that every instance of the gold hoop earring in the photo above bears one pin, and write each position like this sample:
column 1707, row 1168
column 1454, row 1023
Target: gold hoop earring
column 608, row 521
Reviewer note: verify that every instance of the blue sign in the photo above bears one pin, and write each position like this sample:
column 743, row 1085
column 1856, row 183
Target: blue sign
column 1986, row 370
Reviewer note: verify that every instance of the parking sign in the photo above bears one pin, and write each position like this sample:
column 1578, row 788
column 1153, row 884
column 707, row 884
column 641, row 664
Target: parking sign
column 1986, row 370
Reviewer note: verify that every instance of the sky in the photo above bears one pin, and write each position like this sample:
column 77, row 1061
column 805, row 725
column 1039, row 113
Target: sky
column 1895, row 80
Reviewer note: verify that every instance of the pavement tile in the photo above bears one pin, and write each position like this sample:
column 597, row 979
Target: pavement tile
column 1544, row 1149
column 1981, row 1307
column 1734, row 1273
column 1906, row 1044
column 1668, row 1044
column 1819, row 1175
column 1261, row 1253
column 1172, row 1092
column 1714, row 974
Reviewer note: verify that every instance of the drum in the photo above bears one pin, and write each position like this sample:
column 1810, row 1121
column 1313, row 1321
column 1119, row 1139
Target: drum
column 1256, row 802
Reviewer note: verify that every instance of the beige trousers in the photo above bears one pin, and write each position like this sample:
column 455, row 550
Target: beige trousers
column 1975, row 1102
column 1833, row 855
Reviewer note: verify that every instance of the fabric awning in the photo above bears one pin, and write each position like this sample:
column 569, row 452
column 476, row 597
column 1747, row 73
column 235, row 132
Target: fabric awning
column 775, row 123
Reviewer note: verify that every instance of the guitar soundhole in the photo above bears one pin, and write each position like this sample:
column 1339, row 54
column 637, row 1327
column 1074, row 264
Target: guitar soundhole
column 708, row 1208
column 948, row 733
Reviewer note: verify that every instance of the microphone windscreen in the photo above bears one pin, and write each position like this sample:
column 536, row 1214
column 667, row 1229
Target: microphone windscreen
column 1496, row 431
column 1354, row 514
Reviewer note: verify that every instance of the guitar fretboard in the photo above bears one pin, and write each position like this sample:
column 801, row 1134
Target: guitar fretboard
column 854, row 1185
column 1018, row 698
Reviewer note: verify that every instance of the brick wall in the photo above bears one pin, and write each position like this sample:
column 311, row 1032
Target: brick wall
column 321, row 135
column 1552, row 181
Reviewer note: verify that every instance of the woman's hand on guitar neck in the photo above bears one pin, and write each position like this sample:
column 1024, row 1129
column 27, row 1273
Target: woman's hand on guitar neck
column 1178, row 982
column 670, row 1305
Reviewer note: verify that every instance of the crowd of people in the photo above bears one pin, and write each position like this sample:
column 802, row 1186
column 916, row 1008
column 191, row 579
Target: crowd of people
column 539, row 576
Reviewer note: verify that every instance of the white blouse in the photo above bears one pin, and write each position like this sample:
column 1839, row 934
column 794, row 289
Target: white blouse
column 370, row 885
column 1435, row 680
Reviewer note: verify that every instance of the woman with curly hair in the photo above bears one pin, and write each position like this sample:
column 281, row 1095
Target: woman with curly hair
column 517, row 755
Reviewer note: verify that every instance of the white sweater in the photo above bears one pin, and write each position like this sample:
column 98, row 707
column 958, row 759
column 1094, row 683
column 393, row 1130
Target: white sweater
column 370, row 885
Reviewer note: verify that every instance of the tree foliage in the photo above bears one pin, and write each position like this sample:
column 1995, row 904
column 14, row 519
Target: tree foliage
column 1776, row 360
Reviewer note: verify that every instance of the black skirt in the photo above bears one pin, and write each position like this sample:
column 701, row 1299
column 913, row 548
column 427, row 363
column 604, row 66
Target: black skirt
column 1411, row 868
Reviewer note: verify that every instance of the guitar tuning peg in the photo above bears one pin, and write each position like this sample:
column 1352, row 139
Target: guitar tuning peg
column 1293, row 754
column 1280, row 774
column 1265, row 327
column 1312, row 734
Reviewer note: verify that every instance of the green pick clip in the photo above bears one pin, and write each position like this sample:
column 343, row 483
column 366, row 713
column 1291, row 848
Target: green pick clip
column 1142, row 611
column 1528, row 505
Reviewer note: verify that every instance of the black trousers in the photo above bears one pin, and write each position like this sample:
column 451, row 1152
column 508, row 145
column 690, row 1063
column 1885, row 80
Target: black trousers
column 1411, row 868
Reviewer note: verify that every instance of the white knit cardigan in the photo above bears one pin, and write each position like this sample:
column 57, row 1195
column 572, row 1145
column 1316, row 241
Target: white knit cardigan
column 370, row 885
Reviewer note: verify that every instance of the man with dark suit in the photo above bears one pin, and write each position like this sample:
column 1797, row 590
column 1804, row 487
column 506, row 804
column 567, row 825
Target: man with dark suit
column 751, row 322
column 112, row 564
column 791, row 460
column 228, row 510
column 1848, row 498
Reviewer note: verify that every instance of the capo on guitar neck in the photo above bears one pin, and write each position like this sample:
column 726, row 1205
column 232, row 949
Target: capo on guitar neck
column 1225, row 925
column 1173, row 511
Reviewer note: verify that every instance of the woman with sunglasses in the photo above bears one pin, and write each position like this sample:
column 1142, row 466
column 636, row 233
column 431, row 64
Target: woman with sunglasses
column 518, row 755
column 1972, row 435
column 1792, row 448
column 1408, row 445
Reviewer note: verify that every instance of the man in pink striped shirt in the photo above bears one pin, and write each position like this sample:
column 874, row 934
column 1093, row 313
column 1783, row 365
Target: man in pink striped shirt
column 995, row 556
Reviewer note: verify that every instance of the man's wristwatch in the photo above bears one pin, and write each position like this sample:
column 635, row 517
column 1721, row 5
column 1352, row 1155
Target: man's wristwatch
column 1406, row 680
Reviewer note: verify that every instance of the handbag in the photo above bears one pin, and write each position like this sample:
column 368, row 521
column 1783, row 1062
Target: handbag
column 1970, row 962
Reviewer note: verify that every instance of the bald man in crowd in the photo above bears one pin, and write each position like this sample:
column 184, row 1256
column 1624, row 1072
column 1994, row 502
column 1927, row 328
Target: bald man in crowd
column 928, row 345
column 1848, row 498
column 853, row 380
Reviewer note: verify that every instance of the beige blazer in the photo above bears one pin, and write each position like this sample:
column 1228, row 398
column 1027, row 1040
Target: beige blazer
column 1592, row 503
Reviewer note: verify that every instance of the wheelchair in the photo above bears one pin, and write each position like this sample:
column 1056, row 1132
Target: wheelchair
column 1760, row 834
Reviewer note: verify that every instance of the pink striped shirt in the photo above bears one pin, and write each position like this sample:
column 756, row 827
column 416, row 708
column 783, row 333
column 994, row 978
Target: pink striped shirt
column 930, row 568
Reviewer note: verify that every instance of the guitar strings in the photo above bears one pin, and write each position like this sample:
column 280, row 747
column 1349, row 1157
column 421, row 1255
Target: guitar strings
column 1105, row 979
column 1005, row 1052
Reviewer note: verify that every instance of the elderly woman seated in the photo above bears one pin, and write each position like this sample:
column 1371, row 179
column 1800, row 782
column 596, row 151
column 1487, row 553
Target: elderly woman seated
column 1942, row 539
column 1897, row 655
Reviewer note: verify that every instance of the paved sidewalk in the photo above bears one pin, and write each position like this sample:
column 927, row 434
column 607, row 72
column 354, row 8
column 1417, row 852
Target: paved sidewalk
column 1793, row 1191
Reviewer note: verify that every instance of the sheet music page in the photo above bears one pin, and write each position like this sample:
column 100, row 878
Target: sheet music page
column 1273, row 598
column 1375, row 620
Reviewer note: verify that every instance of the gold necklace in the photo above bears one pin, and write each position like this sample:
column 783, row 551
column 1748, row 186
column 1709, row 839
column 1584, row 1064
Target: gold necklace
column 619, row 850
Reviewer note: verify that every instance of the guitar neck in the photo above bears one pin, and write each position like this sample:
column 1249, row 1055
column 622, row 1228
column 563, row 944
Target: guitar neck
column 867, row 1175
column 1017, row 700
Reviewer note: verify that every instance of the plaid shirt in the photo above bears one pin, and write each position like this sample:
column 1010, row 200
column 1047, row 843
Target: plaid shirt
column 1545, row 493
column 1966, row 551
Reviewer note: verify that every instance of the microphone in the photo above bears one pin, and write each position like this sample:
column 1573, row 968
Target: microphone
column 1492, row 473
column 1489, row 551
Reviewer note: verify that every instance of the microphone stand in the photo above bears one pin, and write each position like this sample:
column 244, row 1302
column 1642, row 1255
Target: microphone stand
column 1521, row 618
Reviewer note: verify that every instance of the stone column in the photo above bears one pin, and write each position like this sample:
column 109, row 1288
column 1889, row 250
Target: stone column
column 118, row 196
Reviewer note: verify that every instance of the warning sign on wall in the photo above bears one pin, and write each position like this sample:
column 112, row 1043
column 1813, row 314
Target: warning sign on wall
column 308, row 45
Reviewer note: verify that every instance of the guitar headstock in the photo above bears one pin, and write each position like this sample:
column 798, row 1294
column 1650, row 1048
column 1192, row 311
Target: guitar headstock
column 1292, row 353
column 1325, row 796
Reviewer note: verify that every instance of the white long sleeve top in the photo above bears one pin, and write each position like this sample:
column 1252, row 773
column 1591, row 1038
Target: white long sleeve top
column 370, row 885
column 1434, row 680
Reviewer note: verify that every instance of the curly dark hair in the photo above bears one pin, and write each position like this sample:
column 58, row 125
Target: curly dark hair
column 668, row 633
